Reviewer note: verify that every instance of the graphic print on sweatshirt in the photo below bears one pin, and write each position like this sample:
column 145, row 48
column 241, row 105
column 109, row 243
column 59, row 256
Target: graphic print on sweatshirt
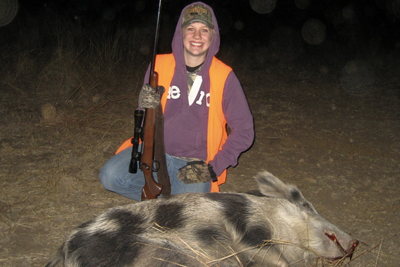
column 195, row 95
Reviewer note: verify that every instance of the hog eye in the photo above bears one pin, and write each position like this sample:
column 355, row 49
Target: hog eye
column 306, row 205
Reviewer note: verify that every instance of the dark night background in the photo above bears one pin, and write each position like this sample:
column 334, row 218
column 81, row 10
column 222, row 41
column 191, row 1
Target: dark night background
column 255, row 34
column 351, row 23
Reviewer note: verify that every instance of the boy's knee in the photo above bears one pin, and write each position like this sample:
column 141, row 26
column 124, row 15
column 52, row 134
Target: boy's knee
column 106, row 180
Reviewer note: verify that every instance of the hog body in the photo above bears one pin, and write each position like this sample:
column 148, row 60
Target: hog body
column 275, row 226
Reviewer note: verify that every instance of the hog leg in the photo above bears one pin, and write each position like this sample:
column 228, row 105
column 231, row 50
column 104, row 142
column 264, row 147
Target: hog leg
column 267, row 256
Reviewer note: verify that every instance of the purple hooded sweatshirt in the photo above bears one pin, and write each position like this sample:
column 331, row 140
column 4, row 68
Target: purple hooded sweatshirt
column 186, row 122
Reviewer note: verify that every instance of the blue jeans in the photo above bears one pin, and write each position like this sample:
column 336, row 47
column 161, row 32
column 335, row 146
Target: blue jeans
column 115, row 176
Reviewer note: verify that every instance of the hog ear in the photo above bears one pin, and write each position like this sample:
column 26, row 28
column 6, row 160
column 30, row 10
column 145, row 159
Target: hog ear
column 272, row 186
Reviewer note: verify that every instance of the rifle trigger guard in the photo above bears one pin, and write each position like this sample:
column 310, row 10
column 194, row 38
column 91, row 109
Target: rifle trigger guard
column 156, row 166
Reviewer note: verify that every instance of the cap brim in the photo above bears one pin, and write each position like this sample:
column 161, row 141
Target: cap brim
column 198, row 20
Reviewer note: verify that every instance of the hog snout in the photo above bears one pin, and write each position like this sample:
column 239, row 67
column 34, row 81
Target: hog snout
column 348, row 250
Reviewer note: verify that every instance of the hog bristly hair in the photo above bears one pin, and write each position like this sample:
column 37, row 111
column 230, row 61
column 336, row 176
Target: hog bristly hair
column 275, row 227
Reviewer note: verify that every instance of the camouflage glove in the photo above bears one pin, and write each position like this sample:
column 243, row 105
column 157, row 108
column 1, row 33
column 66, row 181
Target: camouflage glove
column 196, row 172
column 149, row 97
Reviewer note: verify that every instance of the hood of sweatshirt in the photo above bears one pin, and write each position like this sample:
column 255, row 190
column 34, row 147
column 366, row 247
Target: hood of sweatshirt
column 177, row 49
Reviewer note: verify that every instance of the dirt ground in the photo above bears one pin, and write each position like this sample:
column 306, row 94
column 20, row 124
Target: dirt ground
column 336, row 139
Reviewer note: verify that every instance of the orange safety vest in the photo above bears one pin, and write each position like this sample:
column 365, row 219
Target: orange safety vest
column 216, row 134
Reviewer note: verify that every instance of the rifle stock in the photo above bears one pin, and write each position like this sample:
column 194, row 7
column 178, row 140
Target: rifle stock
column 151, row 189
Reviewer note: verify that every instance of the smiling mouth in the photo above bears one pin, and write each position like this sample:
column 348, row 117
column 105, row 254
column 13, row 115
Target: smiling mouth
column 196, row 44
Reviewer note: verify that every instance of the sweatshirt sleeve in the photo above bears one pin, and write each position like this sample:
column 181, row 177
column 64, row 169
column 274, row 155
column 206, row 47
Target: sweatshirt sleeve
column 240, row 121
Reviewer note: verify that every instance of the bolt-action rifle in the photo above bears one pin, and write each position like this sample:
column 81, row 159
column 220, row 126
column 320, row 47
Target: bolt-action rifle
column 152, row 133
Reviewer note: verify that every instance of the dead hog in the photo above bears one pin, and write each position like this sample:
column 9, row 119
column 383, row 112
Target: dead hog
column 275, row 226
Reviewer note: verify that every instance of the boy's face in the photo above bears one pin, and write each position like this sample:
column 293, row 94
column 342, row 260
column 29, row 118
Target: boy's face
column 196, row 40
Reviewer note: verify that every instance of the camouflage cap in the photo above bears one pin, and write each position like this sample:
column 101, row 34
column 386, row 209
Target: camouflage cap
column 197, row 13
